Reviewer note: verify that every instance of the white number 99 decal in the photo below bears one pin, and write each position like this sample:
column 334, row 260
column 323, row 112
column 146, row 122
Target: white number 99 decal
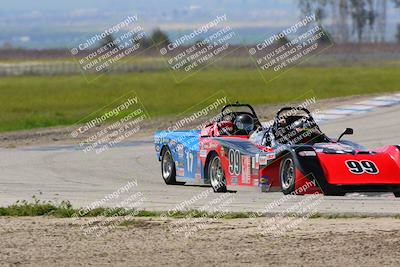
column 234, row 162
column 362, row 166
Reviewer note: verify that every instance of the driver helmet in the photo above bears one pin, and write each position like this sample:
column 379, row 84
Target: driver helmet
column 244, row 123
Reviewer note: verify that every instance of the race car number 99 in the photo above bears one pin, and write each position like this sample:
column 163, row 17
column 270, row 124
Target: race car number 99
column 234, row 162
column 362, row 166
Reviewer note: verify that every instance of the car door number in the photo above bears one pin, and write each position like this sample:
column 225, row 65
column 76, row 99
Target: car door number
column 234, row 162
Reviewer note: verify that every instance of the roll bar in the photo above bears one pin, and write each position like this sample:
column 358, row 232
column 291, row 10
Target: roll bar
column 293, row 108
column 237, row 104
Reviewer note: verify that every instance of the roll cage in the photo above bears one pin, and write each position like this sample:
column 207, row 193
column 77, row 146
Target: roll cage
column 279, row 132
column 225, row 112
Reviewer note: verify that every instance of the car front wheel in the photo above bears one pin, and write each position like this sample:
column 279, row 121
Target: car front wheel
column 168, row 169
column 216, row 174
column 287, row 174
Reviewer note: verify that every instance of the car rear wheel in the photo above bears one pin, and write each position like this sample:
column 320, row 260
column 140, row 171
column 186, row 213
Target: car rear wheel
column 396, row 194
column 216, row 174
column 168, row 169
column 287, row 174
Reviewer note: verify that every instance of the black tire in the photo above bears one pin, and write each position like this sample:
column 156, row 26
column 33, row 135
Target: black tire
column 215, row 174
column 287, row 174
column 396, row 194
column 168, row 169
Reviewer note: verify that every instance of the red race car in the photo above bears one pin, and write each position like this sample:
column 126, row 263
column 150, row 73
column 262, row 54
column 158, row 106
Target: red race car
column 292, row 154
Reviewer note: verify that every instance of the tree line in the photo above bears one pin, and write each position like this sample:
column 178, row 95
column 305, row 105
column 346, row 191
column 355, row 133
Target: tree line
column 352, row 20
column 156, row 37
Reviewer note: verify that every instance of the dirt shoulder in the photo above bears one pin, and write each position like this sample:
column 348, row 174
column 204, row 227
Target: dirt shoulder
column 62, row 135
column 41, row 241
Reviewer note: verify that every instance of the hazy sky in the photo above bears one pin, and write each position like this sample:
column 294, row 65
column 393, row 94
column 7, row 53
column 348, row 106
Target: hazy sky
column 152, row 12
column 53, row 22
column 167, row 13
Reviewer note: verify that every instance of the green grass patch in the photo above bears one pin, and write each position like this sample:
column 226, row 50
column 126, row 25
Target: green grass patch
column 64, row 209
column 32, row 102
column 37, row 208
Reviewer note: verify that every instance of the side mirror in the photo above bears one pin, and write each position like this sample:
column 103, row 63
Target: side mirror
column 348, row 131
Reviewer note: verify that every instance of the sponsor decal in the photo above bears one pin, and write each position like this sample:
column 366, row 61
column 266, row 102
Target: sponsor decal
column 246, row 170
column 203, row 153
column 265, row 183
column 180, row 150
column 234, row 180
column 257, row 164
column 263, row 160
column 161, row 140
column 223, row 152
column 225, row 130
column 189, row 162
column 197, row 176
column 209, row 146
column 172, row 142
column 271, row 156
column 180, row 171
column 264, row 179
column 157, row 148
column 213, row 146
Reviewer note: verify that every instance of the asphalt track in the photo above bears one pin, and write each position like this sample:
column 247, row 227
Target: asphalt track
column 66, row 173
